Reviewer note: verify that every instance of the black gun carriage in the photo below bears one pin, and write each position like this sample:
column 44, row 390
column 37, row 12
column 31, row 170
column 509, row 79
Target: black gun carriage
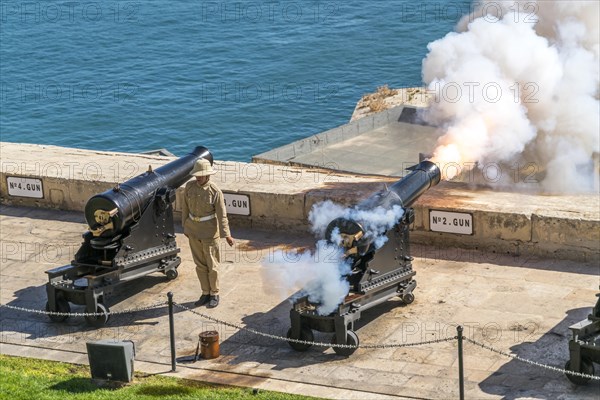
column 131, row 234
column 378, row 274
column 584, row 346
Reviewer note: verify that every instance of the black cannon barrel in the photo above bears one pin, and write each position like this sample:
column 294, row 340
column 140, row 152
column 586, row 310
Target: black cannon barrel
column 402, row 193
column 407, row 190
column 423, row 176
column 130, row 198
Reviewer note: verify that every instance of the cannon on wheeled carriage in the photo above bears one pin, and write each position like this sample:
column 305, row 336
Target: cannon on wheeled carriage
column 131, row 234
column 377, row 274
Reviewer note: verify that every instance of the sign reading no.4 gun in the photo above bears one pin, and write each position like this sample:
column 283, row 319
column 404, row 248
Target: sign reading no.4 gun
column 25, row 187
column 451, row 222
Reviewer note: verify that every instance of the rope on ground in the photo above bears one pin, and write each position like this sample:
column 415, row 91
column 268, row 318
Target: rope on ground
column 530, row 362
column 306, row 342
column 96, row 314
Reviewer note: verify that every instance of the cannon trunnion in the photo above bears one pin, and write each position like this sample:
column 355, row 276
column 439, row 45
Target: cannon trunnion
column 377, row 274
column 131, row 235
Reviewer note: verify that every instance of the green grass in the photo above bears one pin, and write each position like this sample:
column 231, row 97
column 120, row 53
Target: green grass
column 28, row 378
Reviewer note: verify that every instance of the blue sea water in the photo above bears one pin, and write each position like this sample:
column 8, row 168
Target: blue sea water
column 237, row 77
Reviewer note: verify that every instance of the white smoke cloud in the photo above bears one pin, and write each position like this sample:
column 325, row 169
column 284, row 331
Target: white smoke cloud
column 321, row 214
column 375, row 221
column 321, row 275
column 529, row 75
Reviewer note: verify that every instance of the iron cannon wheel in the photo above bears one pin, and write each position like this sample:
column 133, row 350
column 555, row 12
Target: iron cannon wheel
column 305, row 334
column 587, row 367
column 351, row 339
column 62, row 306
column 172, row 274
column 98, row 320
column 408, row 298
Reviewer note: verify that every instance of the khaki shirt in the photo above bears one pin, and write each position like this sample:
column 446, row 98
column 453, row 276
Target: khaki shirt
column 202, row 201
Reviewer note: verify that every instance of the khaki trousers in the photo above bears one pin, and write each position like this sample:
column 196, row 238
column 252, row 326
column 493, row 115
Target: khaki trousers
column 207, row 258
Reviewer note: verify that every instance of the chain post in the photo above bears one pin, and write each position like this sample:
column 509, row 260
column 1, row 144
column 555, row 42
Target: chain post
column 461, row 376
column 172, row 332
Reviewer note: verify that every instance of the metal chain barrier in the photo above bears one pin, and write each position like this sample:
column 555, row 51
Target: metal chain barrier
column 535, row 363
column 305, row 342
column 66, row 314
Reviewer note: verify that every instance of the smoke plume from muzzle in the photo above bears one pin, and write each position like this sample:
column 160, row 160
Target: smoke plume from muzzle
column 318, row 274
column 321, row 274
column 519, row 84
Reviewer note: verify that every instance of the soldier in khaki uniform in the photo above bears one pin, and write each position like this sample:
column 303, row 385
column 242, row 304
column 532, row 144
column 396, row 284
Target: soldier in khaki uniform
column 204, row 221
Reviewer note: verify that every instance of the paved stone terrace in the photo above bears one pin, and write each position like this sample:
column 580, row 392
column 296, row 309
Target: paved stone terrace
column 522, row 305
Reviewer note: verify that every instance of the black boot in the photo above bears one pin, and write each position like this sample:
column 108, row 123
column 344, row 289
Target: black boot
column 214, row 301
column 202, row 300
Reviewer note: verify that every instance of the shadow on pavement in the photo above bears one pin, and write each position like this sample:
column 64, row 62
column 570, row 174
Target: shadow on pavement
column 34, row 326
column 533, row 380
column 424, row 253
column 243, row 346
column 43, row 214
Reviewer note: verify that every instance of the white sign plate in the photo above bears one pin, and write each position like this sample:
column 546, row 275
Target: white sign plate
column 451, row 222
column 238, row 204
column 25, row 187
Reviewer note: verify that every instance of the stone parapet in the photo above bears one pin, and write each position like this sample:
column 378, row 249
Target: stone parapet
column 281, row 197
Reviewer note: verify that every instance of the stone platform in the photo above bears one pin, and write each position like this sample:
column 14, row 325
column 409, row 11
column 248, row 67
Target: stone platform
column 520, row 305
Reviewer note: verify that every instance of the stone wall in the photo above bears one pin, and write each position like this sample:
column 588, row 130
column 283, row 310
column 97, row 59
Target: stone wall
column 281, row 197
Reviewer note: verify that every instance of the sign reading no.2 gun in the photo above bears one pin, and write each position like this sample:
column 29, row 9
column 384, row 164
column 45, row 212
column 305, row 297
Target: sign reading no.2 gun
column 238, row 204
column 451, row 222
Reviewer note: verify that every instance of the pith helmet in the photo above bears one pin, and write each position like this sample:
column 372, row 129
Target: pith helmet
column 202, row 168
